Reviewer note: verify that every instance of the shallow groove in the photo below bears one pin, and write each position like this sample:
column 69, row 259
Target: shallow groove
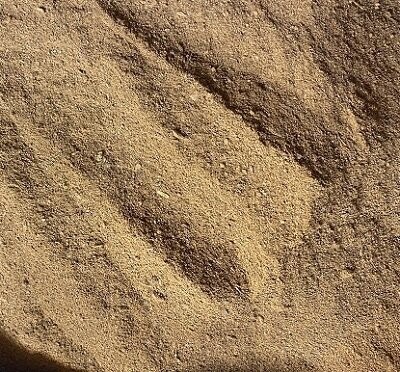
column 303, row 135
column 214, row 267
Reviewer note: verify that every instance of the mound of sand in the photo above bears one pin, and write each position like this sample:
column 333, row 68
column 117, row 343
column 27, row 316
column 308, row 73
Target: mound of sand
column 199, row 185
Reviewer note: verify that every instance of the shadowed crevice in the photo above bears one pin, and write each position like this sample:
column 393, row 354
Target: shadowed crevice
column 15, row 358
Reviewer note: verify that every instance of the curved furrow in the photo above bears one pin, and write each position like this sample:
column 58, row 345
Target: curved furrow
column 280, row 117
column 203, row 257
column 203, row 129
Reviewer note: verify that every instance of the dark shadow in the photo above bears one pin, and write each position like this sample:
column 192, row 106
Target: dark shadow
column 15, row 358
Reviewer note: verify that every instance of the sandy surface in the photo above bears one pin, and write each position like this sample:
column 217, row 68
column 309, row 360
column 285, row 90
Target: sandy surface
column 199, row 185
